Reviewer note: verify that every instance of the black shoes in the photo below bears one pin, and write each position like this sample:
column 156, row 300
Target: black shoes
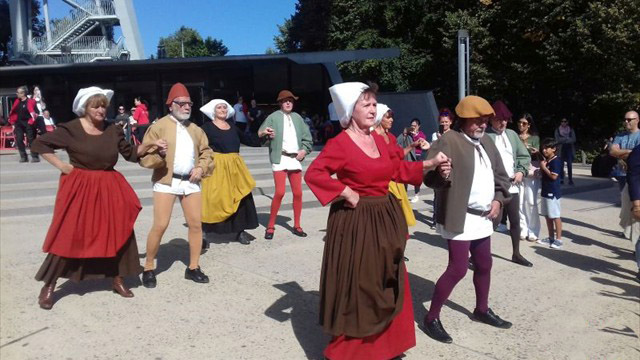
column 23, row 159
column 519, row 259
column 243, row 238
column 268, row 234
column 149, row 279
column 298, row 232
column 35, row 158
column 435, row 331
column 196, row 275
column 492, row 319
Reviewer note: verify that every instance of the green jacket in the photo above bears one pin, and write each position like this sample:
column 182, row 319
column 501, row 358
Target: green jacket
column 276, row 122
column 522, row 158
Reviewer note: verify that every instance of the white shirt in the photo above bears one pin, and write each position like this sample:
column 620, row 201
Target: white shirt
column 239, row 117
column 289, row 145
column 480, row 198
column 184, row 159
column 48, row 121
column 435, row 136
column 506, row 153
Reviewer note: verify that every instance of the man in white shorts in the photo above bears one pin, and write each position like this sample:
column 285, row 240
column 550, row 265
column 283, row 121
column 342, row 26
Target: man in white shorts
column 177, row 174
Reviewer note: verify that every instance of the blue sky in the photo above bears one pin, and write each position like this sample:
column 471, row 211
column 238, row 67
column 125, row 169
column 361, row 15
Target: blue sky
column 244, row 26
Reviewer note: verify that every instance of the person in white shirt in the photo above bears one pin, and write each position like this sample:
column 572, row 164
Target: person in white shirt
column 239, row 117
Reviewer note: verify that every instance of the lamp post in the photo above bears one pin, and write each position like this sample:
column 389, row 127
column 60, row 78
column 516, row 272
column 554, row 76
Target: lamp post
column 463, row 64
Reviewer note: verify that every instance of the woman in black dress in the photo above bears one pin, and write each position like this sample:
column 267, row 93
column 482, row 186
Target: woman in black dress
column 227, row 203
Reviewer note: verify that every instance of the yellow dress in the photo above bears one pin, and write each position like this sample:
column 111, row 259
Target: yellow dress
column 400, row 192
column 225, row 188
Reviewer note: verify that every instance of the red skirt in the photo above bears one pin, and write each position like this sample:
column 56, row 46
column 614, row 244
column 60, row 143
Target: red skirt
column 93, row 216
column 397, row 338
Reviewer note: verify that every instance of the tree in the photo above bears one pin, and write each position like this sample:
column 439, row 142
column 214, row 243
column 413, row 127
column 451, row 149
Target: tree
column 193, row 44
column 306, row 29
column 553, row 58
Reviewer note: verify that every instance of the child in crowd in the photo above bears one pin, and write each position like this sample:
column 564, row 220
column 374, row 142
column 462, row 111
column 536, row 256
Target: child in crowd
column 550, row 168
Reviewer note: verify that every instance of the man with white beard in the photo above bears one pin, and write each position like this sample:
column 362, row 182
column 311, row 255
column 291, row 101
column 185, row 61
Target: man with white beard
column 177, row 173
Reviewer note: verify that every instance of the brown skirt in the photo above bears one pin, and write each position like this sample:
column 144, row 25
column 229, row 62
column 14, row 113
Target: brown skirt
column 125, row 263
column 362, row 284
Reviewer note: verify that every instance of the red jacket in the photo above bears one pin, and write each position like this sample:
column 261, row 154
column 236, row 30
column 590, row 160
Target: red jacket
column 31, row 106
column 141, row 115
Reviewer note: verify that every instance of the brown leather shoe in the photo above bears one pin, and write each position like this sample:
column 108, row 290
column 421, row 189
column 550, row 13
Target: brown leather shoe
column 118, row 287
column 45, row 300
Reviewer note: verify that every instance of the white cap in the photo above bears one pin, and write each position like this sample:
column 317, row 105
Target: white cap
column 209, row 108
column 381, row 109
column 345, row 96
column 84, row 94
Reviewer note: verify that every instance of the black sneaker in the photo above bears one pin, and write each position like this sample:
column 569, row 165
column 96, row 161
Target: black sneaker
column 23, row 159
column 435, row 331
column 196, row 275
column 492, row 319
column 149, row 279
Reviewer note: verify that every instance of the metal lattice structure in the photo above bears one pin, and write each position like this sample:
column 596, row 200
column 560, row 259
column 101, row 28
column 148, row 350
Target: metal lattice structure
column 72, row 39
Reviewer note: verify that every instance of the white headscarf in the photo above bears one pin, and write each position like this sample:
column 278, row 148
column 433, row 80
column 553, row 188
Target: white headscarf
column 209, row 108
column 84, row 94
column 381, row 110
column 345, row 96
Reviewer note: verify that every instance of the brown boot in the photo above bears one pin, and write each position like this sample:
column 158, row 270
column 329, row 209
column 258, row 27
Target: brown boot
column 45, row 300
column 118, row 287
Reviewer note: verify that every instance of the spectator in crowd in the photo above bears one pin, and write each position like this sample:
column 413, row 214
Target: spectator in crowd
column 551, row 192
column 529, row 216
column 620, row 149
column 633, row 176
column 417, row 135
column 255, row 116
column 44, row 120
column 472, row 189
column 122, row 119
column 445, row 119
column 307, row 120
column 289, row 143
column 566, row 139
column 141, row 116
column 240, row 116
column 23, row 118
column 37, row 96
column 516, row 160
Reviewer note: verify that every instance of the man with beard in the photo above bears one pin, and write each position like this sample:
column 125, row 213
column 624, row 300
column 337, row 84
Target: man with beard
column 470, row 191
column 177, row 173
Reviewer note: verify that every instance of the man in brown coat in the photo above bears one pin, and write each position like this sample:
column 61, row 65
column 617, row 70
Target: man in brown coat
column 470, row 192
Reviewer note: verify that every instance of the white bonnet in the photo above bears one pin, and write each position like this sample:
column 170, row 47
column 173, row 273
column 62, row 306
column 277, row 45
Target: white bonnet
column 84, row 94
column 209, row 108
column 345, row 96
column 381, row 109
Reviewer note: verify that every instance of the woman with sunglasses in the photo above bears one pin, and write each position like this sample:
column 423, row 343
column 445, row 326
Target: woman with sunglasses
column 529, row 217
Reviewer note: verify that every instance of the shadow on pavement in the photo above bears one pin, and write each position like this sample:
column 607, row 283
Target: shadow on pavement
column 629, row 292
column 168, row 253
column 614, row 233
column 263, row 219
column 422, row 292
column 626, row 331
column 585, row 263
column 301, row 308
column 430, row 239
column 69, row 287
column 620, row 253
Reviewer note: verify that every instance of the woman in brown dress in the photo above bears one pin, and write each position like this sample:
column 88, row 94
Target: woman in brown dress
column 91, row 233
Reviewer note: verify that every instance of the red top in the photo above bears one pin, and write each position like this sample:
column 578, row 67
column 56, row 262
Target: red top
column 141, row 115
column 31, row 106
column 365, row 175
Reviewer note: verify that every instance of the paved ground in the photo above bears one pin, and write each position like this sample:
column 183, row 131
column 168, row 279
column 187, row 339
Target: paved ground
column 578, row 303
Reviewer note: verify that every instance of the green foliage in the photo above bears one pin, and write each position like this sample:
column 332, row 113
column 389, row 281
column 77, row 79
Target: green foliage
column 193, row 44
column 552, row 58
